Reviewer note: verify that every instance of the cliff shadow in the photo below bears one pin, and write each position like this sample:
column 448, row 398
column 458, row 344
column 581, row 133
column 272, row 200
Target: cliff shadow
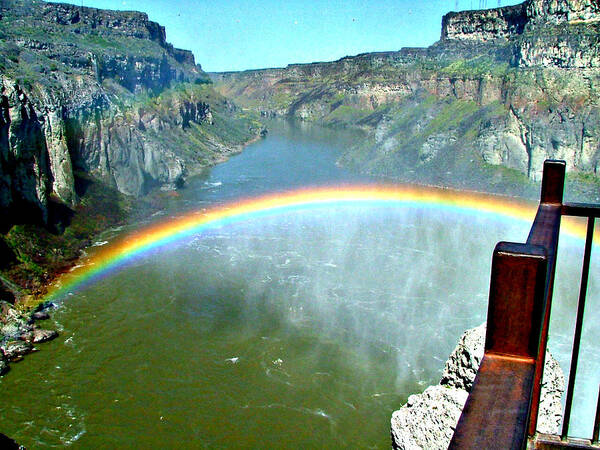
column 59, row 215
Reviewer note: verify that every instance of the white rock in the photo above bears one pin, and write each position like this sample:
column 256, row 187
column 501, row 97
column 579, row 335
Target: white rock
column 427, row 421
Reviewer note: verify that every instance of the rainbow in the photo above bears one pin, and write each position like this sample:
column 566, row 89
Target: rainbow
column 162, row 235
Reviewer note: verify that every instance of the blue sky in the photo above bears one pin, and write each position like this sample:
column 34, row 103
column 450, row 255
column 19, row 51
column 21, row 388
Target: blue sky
column 250, row 34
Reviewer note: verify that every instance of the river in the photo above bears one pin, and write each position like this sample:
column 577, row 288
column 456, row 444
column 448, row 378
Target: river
column 303, row 329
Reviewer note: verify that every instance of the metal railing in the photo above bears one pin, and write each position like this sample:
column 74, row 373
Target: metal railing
column 501, row 410
column 591, row 212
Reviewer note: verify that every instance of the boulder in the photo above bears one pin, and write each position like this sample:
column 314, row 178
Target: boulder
column 3, row 364
column 428, row 420
column 15, row 350
column 45, row 306
column 553, row 386
column 463, row 363
column 7, row 312
column 15, row 328
column 40, row 315
column 41, row 335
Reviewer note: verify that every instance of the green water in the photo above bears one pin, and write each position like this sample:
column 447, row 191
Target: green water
column 304, row 330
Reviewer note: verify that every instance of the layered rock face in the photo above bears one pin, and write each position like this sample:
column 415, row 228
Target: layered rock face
column 24, row 160
column 83, row 89
column 503, row 88
column 128, row 23
column 428, row 420
column 511, row 21
column 485, row 25
column 560, row 11
column 548, row 33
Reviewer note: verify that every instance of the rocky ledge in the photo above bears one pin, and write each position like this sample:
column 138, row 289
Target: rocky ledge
column 428, row 420
column 18, row 332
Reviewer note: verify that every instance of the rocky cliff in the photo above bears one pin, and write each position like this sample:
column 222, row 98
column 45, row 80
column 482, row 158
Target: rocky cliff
column 84, row 90
column 486, row 24
column 482, row 108
column 546, row 33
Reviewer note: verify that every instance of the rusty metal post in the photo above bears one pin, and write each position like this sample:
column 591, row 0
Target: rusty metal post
column 497, row 410
column 516, row 303
column 553, row 181
column 545, row 231
column 578, row 326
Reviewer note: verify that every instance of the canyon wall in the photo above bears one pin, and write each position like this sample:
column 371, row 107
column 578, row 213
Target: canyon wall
column 503, row 88
column 103, row 93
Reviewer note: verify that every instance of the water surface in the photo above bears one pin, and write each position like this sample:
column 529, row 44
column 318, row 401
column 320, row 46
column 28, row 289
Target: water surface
column 300, row 330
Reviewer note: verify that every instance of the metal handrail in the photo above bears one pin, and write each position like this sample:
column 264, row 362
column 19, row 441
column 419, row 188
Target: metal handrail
column 501, row 410
column 590, row 212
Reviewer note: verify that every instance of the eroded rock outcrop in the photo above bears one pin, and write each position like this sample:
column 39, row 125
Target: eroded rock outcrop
column 548, row 33
column 485, row 25
column 41, row 144
column 509, row 21
column 24, row 165
column 428, row 420
column 18, row 333
column 544, row 12
column 103, row 92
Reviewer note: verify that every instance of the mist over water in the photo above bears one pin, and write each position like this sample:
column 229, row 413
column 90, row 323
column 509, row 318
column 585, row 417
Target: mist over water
column 300, row 330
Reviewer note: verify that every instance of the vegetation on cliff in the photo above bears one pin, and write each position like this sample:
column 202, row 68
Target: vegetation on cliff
column 96, row 109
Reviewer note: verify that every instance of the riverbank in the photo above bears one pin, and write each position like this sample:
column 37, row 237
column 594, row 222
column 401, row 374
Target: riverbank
column 20, row 331
column 33, row 256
